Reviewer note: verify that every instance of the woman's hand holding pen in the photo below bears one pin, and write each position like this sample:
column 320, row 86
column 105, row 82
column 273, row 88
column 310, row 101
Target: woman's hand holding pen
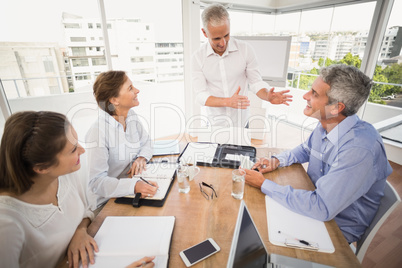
column 146, row 190
column 138, row 166
column 265, row 165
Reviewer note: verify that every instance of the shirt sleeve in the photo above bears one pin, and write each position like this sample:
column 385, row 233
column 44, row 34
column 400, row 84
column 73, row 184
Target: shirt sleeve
column 145, row 142
column 348, row 179
column 99, row 181
column 11, row 242
column 253, row 72
column 199, row 81
column 300, row 154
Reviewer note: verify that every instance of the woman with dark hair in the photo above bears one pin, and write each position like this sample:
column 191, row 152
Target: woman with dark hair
column 42, row 209
column 117, row 140
column 43, row 202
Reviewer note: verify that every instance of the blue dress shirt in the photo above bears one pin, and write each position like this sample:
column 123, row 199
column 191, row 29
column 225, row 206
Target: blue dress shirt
column 348, row 167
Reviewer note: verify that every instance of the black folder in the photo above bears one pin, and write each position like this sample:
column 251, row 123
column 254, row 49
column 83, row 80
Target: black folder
column 220, row 158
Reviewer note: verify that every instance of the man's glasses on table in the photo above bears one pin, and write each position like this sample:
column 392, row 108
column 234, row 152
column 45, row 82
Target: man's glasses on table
column 204, row 193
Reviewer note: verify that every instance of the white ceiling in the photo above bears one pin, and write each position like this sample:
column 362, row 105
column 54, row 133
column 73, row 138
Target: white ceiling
column 278, row 6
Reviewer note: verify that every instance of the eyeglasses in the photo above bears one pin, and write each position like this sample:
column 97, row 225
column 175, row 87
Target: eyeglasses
column 204, row 193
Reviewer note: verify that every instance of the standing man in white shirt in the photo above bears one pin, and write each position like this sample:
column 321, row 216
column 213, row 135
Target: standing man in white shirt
column 222, row 70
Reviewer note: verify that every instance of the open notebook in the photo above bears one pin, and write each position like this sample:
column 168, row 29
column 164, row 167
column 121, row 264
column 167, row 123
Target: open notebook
column 161, row 173
column 248, row 249
column 125, row 239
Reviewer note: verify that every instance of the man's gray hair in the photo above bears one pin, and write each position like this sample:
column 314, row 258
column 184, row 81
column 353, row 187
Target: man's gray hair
column 348, row 85
column 215, row 14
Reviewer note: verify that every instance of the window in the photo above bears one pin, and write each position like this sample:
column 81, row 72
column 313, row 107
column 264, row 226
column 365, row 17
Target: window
column 48, row 63
column 98, row 61
column 142, row 28
column 82, row 76
column 80, row 62
column 78, row 39
column 72, row 26
column 142, row 59
column 78, row 51
column 90, row 25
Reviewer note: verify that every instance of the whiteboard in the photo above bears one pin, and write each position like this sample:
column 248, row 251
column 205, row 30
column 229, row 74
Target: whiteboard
column 272, row 55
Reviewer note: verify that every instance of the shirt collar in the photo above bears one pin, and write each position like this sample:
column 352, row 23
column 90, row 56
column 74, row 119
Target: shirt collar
column 341, row 129
column 232, row 46
column 107, row 118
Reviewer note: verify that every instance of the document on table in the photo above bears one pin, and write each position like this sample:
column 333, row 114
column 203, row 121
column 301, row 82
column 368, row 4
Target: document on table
column 166, row 147
column 125, row 239
column 199, row 152
column 294, row 227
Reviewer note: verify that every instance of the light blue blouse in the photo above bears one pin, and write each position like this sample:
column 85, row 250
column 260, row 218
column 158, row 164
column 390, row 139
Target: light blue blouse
column 110, row 149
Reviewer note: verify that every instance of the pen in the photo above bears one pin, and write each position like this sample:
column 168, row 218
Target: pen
column 300, row 240
column 263, row 166
column 147, row 182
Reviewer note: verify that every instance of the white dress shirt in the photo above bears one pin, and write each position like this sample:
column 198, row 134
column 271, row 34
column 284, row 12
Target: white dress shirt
column 110, row 150
column 38, row 235
column 220, row 76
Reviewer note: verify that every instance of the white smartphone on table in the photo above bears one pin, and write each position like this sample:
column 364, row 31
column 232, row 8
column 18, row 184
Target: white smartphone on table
column 199, row 252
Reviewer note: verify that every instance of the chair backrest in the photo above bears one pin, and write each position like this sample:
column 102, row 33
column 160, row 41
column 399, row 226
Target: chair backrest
column 389, row 202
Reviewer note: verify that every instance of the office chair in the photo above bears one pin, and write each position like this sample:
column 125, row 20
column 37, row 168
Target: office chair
column 388, row 203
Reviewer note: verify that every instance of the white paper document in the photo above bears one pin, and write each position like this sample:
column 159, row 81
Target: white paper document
column 125, row 239
column 286, row 228
column 199, row 152
column 233, row 157
column 245, row 162
column 160, row 170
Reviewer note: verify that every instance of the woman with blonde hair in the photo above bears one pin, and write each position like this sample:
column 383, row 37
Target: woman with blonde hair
column 117, row 140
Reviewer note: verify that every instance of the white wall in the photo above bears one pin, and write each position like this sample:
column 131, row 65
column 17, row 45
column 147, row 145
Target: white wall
column 375, row 113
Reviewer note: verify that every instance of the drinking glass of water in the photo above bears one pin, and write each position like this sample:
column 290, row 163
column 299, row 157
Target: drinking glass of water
column 238, row 183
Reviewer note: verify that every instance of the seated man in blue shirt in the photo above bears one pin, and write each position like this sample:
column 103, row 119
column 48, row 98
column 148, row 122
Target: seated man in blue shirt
column 347, row 160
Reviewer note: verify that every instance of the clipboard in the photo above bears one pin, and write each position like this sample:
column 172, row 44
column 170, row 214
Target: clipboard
column 136, row 201
column 216, row 155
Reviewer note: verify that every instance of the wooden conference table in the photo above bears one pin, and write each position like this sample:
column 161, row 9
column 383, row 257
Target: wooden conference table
column 198, row 218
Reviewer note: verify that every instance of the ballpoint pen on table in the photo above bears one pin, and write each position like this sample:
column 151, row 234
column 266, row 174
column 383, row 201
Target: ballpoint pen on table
column 300, row 240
